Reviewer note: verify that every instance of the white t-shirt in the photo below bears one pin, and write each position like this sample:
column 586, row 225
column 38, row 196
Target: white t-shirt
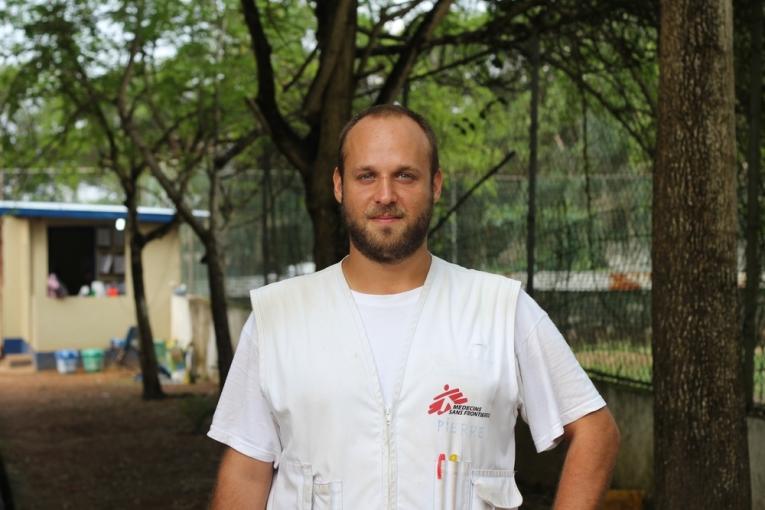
column 554, row 391
column 387, row 319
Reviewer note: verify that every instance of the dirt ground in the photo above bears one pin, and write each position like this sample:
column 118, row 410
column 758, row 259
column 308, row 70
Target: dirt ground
column 89, row 441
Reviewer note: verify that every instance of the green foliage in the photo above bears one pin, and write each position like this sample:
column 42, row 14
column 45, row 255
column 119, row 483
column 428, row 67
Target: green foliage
column 194, row 72
column 188, row 82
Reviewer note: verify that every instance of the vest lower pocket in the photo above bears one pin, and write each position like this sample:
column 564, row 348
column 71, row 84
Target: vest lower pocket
column 296, row 488
column 327, row 496
column 292, row 487
column 494, row 488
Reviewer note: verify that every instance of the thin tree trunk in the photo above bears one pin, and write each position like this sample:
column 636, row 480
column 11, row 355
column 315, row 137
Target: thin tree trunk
column 587, row 181
column 217, row 285
column 273, row 214
column 700, row 435
column 753, row 207
column 265, row 210
column 216, row 278
column 531, row 219
column 152, row 390
column 453, row 193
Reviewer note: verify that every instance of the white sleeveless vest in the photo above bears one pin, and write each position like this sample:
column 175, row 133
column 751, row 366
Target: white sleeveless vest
column 447, row 442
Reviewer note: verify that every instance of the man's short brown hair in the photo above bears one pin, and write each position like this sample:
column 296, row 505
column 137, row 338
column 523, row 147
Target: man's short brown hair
column 390, row 110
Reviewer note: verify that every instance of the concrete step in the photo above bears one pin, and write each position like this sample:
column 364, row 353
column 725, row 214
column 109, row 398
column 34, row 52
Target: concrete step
column 18, row 363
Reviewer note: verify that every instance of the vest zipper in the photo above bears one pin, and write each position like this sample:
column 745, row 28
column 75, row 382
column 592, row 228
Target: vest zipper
column 389, row 460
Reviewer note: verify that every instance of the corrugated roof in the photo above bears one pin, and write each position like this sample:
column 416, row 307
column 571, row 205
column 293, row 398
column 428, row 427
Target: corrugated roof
column 87, row 211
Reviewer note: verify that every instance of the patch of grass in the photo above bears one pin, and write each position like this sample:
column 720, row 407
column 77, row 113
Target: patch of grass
column 632, row 362
column 199, row 409
column 624, row 361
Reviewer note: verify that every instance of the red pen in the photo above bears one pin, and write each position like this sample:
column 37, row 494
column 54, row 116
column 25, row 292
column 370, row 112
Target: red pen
column 441, row 458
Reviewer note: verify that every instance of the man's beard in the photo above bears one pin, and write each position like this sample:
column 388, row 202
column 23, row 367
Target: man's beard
column 388, row 249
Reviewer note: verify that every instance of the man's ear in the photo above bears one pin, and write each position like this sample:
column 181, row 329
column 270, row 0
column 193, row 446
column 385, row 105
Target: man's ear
column 438, row 179
column 337, row 180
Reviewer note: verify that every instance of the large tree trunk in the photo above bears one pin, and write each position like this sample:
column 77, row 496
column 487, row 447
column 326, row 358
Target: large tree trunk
column 217, row 285
column 701, row 458
column 152, row 390
column 753, row 208
column 330, row 240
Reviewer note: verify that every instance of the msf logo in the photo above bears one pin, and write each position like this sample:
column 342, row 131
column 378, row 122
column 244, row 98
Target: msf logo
column 443, row 403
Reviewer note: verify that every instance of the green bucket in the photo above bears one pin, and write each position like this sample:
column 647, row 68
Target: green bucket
column 160, row 350
column 93, row 360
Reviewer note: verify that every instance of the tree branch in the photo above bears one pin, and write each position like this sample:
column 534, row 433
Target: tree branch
column 290, row 152
column 443, row 219
column 156, row 170
column 331, row 45
column 371, row 44
column 616, row 112
column 376, row 33
column 301, row 69
column 236, row 148
column 94, row 102
column 127, row 75
column 284, row 137
column 160, row 231
column 433, row 72
column 408, row 56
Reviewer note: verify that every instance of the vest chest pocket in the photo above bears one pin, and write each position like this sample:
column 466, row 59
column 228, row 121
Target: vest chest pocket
column 494, row 488
column 327, row 496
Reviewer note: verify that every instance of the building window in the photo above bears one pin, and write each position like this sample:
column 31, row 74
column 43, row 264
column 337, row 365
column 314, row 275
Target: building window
column 86, row 261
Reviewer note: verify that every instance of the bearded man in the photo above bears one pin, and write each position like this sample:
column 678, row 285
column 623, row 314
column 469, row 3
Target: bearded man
column 393, row 379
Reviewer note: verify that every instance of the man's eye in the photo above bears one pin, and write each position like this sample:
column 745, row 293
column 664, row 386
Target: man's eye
column 406, row 176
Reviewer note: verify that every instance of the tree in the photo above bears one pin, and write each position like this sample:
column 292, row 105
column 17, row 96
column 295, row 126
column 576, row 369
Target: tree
column 359, row 59
column 612, row 59
column 327, row 103
column 200, row 136
column 171, row 115
column 60, row 77
column 699, row 413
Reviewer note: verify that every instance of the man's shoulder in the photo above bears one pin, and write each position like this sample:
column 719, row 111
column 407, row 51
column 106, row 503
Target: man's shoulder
column 297, row 284
column 528, row 311
column 464, row 274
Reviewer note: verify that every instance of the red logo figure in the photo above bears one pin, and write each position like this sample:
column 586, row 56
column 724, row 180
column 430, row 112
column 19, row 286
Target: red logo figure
column 455, row 395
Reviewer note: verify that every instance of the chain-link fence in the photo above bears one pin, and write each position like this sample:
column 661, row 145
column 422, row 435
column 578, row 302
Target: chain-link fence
column 591, row 262
column 268, row 236
column 591, row 258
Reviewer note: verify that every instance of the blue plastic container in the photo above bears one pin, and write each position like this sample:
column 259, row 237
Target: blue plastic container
column 15, row 346
column 66, row 361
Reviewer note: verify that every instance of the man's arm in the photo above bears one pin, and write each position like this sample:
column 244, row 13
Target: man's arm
column 593, row 444
column 243, row 482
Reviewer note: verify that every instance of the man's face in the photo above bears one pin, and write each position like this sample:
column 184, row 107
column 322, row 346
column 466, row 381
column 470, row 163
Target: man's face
column 386, row 192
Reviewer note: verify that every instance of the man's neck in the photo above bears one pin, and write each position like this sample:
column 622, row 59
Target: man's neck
column 370, row 277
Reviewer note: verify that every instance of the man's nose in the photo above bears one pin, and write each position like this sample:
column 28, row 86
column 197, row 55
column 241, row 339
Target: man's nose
column 386, row 192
